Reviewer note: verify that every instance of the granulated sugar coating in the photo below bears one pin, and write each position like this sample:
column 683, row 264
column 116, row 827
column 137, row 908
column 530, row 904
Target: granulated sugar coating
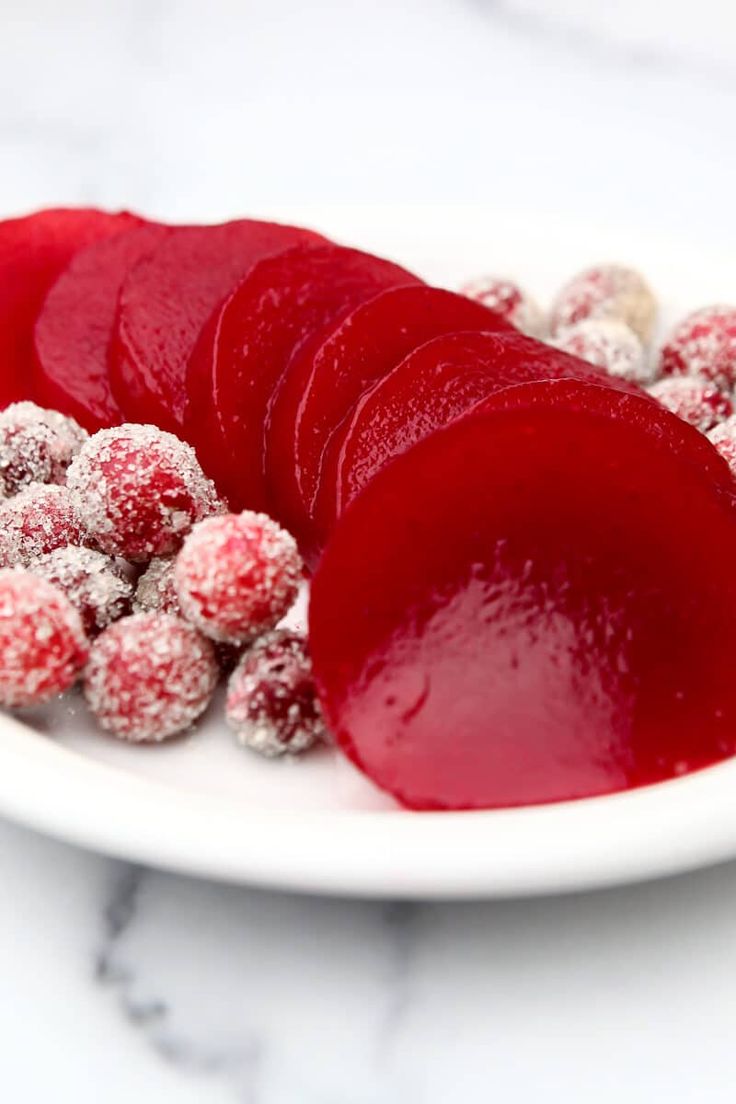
column 149, row 677
column 94, row 584
column 609, row 344
column 237, row 576
column 156, row 592
column 36, row 446
column 694, row 400
column 139, row 491
column 607, row 291
column 506, row 298
column 38, row 520
column 272, row 702
column 42, row 643
column 703, row 345
column 723, row 439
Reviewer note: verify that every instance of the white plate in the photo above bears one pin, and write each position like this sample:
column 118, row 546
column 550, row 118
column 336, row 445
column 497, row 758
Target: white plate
column 204, row 807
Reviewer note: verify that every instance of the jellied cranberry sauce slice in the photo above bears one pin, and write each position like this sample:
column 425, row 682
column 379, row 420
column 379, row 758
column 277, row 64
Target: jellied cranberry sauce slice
column 34, row 250
column 165, row 300
column 73, row 331
column 533, row 604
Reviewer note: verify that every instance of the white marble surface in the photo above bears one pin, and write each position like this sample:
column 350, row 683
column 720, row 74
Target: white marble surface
column 126, row 985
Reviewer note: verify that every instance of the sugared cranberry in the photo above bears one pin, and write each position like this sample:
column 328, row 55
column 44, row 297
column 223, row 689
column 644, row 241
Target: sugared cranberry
column 38, row 520
column 695, row 401
column 42, row 643
column 149, row 677
column 703, row 345
column 139, row 491
column 156, row 592
column 272, row 702
column 609, row 344
column 36, row 446
column 237, row 575
column 607, row 291
column 723, row 439
column 506, row 298
column 94, row 584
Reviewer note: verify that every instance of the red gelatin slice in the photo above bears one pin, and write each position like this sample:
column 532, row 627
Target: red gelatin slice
column 33, row 252
column 279, row 304
column 74, row 329
column 434, row 385
column 533, row 604
column 166, row 299
column 368, row 344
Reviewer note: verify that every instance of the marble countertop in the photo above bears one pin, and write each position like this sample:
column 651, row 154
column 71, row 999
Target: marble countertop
column 121, row 984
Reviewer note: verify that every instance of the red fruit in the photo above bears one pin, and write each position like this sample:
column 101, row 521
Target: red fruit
column 703, row 345
column 434, row 385
column 506, row 298
column 74, row 329
column 33, row 252
column 609, row 344
column 36, row 446
column 237, row 576
column 272, row 700
column 149, row 677
column 723, row 439
column 607, row 291
column 282, row 302
column 694, row 400
column 38, row 520
column 42, row 643
column 156, row 592
column 138, row 491
column 165, row 300
column 94, row 584
column 533, row 604
column 367, row 345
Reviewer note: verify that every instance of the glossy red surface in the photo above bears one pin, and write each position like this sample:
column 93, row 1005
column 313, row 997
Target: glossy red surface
column 368, row 344
column 434, row 385
column 73, row 331
column 166, row 299
column 534, row 604
column 33, row 252
column 279, row 304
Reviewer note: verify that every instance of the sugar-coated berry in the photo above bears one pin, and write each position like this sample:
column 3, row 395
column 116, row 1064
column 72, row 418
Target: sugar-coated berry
column 149, row 677
column 94, row 584
column 510, row 301
column 272, row 703
column 38, row 520
column 609, row 344
column 139, row 491
column 723, row 439
column 156, row 592
column 36, row 446
column 42, row 643
column 237, row 576
column 607, row 291
column 696, row 401
column 703, row 345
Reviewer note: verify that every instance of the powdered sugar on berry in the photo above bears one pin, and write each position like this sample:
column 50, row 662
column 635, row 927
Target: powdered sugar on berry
column 703, row 345
column 42, row 643
column 506, row 298
column 94, row 584
column 607, row 291
column 272, row 703
column 609, row 344
column 156, row 592
column 140, row 490
column 149, row 677
column 237, row 576
column 723, row 438
column 38, row 520
column 695, row 401
column 36, row 446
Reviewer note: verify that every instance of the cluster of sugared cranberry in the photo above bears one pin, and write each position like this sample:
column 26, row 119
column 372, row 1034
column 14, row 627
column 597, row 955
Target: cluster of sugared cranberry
column 606, row 315
column 120, row 567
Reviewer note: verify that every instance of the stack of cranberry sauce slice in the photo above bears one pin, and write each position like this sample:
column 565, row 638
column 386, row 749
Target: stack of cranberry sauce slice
column 524, row 586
